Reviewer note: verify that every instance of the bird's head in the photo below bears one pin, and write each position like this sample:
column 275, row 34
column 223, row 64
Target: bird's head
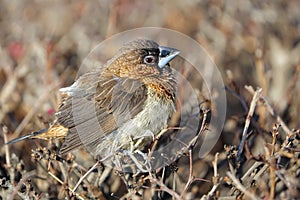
column 142, row 58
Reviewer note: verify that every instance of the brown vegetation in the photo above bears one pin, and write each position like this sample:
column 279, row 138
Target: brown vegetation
column 256, row 46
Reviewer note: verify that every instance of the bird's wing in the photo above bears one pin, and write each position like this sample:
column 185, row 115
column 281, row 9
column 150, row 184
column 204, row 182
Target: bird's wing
column 91, row 112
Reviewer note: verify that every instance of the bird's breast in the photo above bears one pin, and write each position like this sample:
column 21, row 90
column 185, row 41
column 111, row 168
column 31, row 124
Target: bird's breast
column 141, row 129
column 155, row 115
column 150, row 121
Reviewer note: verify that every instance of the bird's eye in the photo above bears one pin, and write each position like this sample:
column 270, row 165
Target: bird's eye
column 149, row 59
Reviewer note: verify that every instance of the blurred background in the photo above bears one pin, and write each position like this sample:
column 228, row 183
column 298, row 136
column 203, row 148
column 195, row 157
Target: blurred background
column 42, row 45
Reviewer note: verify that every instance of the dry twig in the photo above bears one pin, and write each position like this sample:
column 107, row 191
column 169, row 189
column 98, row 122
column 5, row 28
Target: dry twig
column 247, row 122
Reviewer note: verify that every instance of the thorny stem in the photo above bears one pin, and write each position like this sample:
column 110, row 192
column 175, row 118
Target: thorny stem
column 85, row 175
column 62, row 183
column 7, row 157
column 247, row 122
column 191, row 178
column 272, row 161
column 164, row 187
column 239, row 186
column 19, row 185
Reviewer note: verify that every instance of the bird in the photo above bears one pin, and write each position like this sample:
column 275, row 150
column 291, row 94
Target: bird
column 119, row 106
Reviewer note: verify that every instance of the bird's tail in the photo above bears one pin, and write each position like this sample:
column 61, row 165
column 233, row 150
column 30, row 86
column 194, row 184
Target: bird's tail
column 30, row 135
column 56, row 131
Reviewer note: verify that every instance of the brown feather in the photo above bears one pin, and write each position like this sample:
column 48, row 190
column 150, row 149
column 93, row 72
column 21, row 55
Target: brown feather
column 100, row 102
column 114, row 101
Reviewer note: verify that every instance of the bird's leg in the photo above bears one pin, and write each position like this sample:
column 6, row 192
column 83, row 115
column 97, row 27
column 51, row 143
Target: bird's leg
column 140, row 138
column 138, row 163
column 132, row 146
column 146, row 158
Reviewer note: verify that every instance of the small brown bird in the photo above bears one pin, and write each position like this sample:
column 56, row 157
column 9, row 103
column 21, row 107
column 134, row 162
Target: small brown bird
column 123, row 106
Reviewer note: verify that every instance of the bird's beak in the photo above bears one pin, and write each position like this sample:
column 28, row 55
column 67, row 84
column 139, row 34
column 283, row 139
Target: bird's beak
column 166, row 54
